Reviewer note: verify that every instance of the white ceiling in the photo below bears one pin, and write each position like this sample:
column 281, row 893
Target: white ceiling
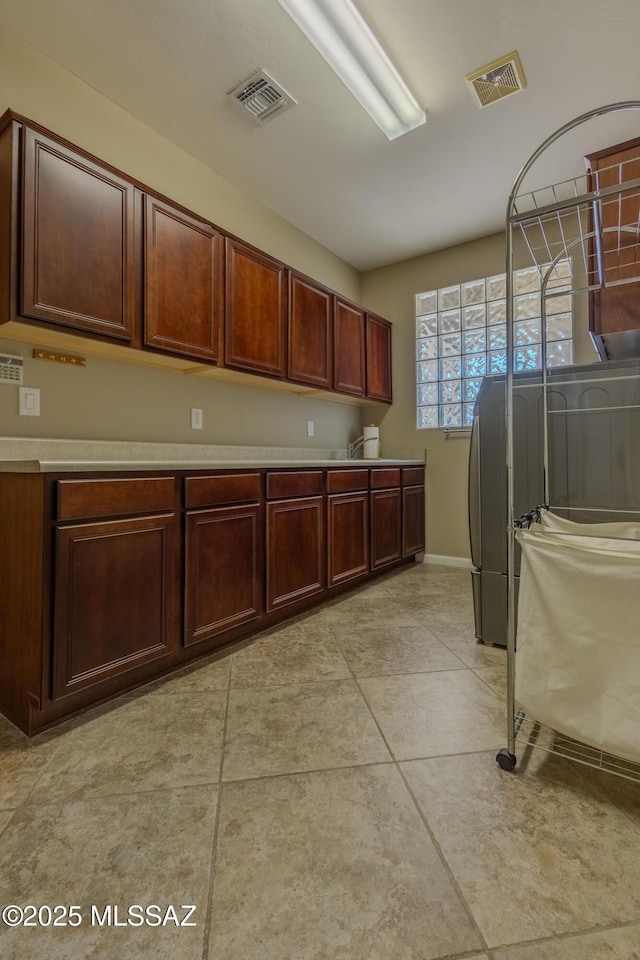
column 324, row 165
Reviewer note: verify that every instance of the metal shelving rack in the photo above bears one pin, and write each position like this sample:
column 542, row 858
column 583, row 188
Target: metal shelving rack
column 561, row 224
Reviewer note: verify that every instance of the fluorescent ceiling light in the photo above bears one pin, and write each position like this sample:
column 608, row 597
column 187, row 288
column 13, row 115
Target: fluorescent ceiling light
column 338, row 31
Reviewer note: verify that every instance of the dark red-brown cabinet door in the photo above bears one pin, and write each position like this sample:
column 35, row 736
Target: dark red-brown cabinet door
column 78, row 255
column 223, row 570
column 183, row 282
column 310, row 333
column 255, row 311
column 295, row 550
column 347, row 537
column 386, row 539
column 115, row 599
column 349, row 374
column 378, row 358
column 413, row 529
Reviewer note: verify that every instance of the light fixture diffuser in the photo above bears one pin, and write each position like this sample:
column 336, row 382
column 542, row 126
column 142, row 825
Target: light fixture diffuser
column 339, row 32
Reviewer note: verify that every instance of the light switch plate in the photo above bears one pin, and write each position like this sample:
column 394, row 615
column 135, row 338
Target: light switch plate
column 29, row 402
column 310, row 428
column 196, row 418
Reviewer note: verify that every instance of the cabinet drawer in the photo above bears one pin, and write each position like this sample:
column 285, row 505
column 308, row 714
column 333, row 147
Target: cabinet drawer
column 412, row 476
column 345, row 481
column 385, row 477
column 228, row 488
column 294, row 483
column 105, row 498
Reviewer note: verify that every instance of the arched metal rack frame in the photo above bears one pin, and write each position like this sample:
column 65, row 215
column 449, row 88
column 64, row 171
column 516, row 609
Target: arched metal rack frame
column 561, row 223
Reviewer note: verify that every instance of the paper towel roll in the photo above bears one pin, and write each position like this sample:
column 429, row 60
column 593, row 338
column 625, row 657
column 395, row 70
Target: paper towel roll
column 371, row 445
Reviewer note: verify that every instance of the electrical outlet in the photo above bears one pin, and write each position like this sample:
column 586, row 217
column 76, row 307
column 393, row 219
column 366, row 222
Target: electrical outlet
column 310, row 428
column 196, row 418
column 29, row 402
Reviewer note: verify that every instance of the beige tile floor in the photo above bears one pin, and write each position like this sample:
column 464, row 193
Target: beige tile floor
column 328, row 792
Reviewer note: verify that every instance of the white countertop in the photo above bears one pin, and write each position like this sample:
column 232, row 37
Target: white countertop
column 87, row 466
column 27, row 455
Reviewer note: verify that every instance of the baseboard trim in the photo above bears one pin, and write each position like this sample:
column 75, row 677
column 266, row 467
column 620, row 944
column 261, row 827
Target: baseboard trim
column 444, row 561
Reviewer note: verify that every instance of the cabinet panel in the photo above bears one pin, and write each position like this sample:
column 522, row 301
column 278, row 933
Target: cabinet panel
column 382, row 477
column 78, row 253
column 342, row 481
column 82, row 499
column 349, row 348
column 295, row 550
column 223, row 574
column 412, row 476
column 413, row 530
column 378, row 358
column 310, row 333
column 386, row 539
column 347, row 537
column 255, row 311
column 613, row 311
column 294, row 483
column 228, row 488
column 183, row 282
column 115, row 599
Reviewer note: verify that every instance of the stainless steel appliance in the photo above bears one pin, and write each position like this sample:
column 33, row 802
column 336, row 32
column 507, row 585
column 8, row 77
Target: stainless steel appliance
column 594, row 442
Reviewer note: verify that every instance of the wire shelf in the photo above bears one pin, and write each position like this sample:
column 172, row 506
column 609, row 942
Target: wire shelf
column 592, row 220
column 533, row 734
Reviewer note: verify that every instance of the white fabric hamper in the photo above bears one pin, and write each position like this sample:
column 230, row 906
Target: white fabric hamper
column 578, row 632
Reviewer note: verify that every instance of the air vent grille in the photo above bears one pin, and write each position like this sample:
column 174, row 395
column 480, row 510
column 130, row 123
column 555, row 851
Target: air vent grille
column 497, row 80
column 262, row 97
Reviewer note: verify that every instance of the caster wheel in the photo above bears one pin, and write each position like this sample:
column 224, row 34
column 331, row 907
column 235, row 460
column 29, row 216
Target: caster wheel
column 506, row 760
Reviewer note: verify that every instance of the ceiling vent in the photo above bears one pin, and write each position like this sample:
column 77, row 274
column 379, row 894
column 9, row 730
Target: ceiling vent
column 497, row 80
column 262, row 97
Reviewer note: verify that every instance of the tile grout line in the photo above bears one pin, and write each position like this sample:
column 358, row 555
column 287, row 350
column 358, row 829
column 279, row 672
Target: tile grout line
column 600, row 790
column 452, row 878
column 353, row 676
column 485, row 947
column 569, row 935
column 73, row 726
column 216, row 824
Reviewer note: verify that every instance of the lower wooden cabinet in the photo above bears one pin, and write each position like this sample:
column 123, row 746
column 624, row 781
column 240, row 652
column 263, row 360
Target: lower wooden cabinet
column 295, row 550
column 115, row 599
column 114, row 579
column 347, row 537
column 223, row 570
column 386, row 536
column 413, row 519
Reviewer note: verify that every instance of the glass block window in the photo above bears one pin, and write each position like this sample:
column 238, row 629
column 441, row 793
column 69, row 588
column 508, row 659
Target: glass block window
column 461, row 337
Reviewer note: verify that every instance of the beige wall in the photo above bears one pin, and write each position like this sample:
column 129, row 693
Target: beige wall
column 109, row 399
column 112, row 400
column 391, row 291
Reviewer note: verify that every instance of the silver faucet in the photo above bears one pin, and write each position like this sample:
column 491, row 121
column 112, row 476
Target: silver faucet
column 353, row 448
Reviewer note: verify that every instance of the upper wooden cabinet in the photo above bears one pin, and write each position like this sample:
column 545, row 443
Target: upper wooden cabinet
column 310, row 332
column 349, row 372
column 378, row 358
column 613, row 311
column 183, row 282
column 255, row 311
column 84, row 249
column 78, row 257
